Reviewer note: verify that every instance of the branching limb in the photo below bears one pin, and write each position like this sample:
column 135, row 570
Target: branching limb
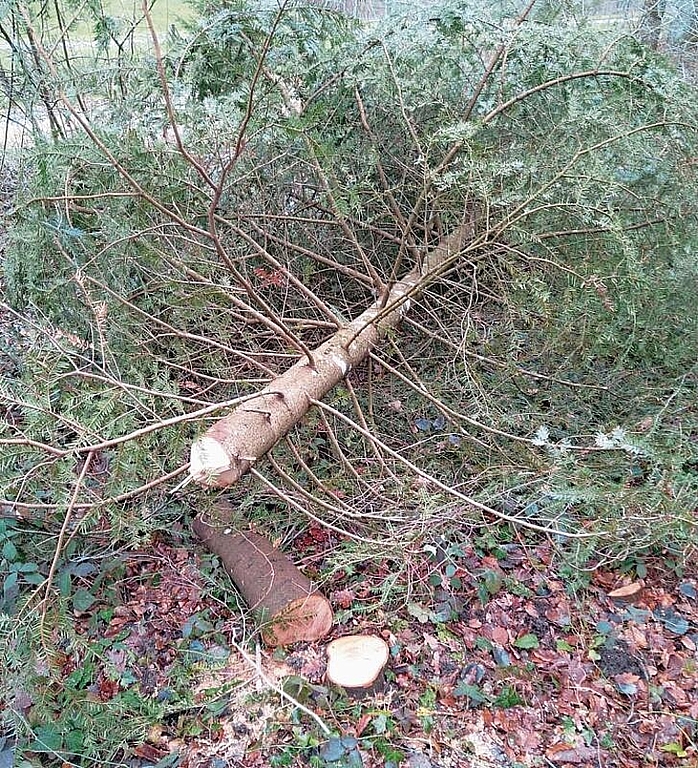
column 62, row 537
column 450, row 490
column 172, row 118
column 295, row 106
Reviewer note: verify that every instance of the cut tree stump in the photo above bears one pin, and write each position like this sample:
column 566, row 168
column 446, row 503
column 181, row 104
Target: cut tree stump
column 287, row 605
column 356, row 663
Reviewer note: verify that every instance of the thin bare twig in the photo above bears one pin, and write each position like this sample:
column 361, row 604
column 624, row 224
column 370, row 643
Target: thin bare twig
column 30, row 506
column 48, row 584
column 302, row 508
column 169, row 107
column 450, row 490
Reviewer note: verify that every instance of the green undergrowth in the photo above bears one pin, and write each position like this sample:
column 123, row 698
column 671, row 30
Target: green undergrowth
column 550, row 376
column 540, row 393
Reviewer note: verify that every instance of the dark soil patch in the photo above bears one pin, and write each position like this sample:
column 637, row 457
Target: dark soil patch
column 616, row 659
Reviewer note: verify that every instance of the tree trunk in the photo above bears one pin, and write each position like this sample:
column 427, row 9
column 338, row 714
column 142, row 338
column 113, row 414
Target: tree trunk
column 227, row 450
column 286, row 603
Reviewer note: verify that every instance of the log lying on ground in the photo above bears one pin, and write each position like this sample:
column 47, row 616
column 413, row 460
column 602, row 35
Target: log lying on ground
column 227, row 450
column 356, row 663
column 286, row 603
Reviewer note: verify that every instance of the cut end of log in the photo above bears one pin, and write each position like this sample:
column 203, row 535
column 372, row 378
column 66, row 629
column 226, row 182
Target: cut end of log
column 356, row 663
column 306, row 619
column 286, row 603
column 210, row 463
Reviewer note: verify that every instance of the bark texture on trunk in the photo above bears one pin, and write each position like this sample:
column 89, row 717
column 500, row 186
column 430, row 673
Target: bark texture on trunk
column 227, row 450
column 287, row 605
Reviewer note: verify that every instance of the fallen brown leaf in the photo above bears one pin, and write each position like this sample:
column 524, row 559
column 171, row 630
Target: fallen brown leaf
column 626, row 591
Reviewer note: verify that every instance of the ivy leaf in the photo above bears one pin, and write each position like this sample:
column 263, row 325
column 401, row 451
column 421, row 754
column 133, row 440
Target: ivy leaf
column 439, row 422
column 527, row 642
column 674, row 749
column 7, row 753
column 64, row 583
column 604, row 627
column 380, row 724
column 627, row 683
column 673, row 621
column 83, row 600
column 500, row 656
column 419, row 612
column 9, row 551
column 471, row 692
column 25, row 567
column 333, row 750
column 10, row 585
column 46, row 739
column 75, row 741
column 168, row 761
column 492, row 581
column 443, row 612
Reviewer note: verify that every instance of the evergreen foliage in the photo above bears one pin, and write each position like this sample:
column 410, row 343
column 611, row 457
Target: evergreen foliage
column 197, row 232
column 571, row 159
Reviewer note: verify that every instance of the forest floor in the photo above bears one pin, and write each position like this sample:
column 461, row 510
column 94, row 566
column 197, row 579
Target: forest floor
column 501, row 656
column 499, row 663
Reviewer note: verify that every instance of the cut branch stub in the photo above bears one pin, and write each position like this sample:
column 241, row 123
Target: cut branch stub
column 227, row 450
column 286, row 603
column 356, row 663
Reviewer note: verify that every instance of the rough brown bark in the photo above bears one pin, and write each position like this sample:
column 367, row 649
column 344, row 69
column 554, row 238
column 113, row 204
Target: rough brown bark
column 287, row 605
column 356, row 663
column 228, row 449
